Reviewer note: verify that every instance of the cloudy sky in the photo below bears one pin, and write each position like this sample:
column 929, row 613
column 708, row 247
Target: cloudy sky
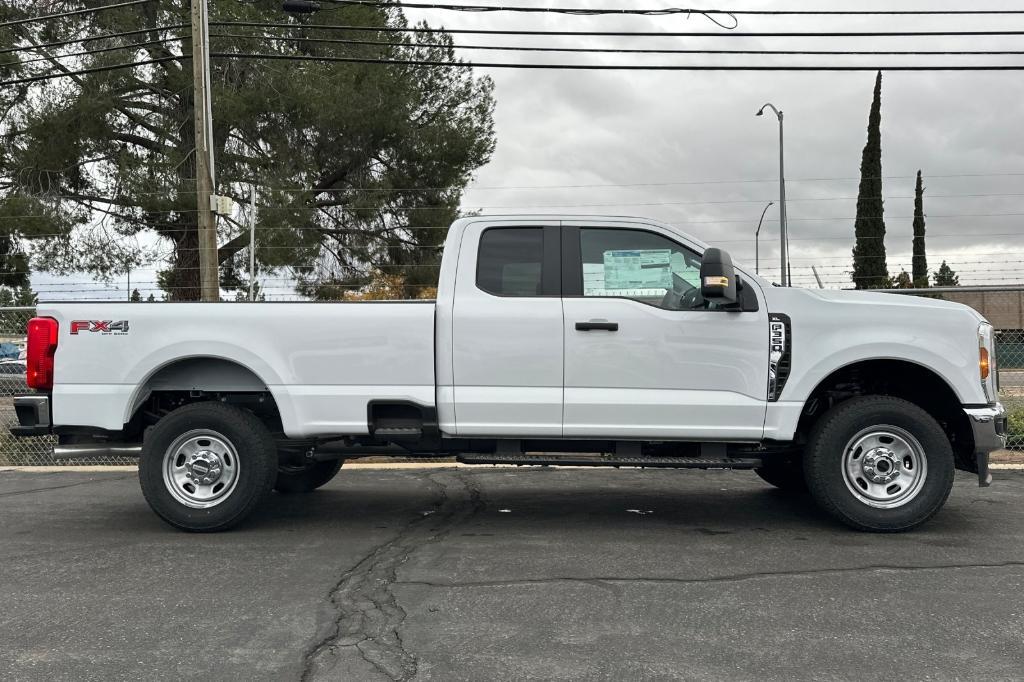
column 686, row 148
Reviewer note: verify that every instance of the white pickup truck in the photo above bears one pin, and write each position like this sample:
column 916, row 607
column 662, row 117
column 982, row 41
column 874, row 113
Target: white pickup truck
column 554, row 340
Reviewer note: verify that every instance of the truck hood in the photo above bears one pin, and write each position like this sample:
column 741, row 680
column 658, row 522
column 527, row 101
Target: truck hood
column 886, row 304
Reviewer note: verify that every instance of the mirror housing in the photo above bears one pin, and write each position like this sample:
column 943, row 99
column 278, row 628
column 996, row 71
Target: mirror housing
column 718, row 282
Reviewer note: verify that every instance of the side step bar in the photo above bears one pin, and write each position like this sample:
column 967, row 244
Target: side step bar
column 96, row 450
column 583, row 460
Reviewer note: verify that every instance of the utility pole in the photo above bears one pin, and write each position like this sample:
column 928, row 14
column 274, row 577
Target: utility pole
column 252, row 244
column 208, row 279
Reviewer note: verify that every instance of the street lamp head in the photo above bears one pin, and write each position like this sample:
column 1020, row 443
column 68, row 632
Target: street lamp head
column 760, row 112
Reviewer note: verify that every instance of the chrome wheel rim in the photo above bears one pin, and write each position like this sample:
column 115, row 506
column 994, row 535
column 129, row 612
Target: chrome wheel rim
column 884, row 466
column 201, row 468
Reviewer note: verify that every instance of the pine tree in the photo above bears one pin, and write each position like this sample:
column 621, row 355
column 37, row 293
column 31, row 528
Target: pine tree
column 869, row 268
column 946, row 277
column 25, row 296
column 920, row 259
column 136, row 296
column 355, row 160
column 150, row 299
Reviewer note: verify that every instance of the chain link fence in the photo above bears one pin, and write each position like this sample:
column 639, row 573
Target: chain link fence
column 35, row 451
column 1003, row 306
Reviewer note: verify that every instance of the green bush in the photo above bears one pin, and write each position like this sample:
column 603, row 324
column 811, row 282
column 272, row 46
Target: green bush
column 1015, row 428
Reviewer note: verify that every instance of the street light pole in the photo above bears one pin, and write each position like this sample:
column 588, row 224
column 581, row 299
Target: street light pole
column 783, row 232
column 757, row 235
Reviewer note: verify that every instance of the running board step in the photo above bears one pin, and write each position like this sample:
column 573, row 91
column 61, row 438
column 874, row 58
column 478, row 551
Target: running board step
column 398, row 432
column 576, row 460
column 96, row 450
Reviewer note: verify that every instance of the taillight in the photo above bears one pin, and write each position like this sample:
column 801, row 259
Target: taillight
column 42, row 345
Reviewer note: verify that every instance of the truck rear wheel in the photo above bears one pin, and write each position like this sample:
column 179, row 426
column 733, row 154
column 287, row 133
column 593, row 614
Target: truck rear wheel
column 206, row 466
column 305, row 479
column 879, row 463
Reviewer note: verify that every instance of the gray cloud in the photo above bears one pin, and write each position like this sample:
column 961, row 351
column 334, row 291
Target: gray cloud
column 560, row 128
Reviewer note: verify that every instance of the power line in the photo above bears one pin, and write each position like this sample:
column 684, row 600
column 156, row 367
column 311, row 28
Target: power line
column 563, row 67
column 668, row 10
column 87, row 10
column 621, row 34
column 1013, row 174
column 608, row 67
column 617, row 50
column 96, row 51
column 95, row 69
column 710, row 15
column 89, row 39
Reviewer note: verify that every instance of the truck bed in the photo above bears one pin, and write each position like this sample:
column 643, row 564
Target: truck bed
column 322, row 362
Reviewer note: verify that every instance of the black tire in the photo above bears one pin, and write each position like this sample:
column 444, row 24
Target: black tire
column 826, row 464
column 785, row 474
column 306, row 479
column 253, row 465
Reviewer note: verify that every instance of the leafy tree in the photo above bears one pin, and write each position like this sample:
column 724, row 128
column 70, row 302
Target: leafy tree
column 920, row 259
column 357, row 164
column 150, row 299
column 946, row 277
column 869, row 268
column 136, row 296
column 17, row 296
column 903, row 281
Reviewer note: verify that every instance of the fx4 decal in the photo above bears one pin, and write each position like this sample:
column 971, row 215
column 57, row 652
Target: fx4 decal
column 102, row 326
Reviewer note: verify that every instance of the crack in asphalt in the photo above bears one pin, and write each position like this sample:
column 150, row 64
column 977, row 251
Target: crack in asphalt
column 361, row 614
column 596, row 581
column 11, row 493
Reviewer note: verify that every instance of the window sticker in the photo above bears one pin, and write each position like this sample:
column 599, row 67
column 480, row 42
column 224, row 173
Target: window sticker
column 638, row 269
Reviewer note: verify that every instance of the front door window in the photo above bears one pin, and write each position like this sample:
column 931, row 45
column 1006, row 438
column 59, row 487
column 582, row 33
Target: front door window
column 642, row 266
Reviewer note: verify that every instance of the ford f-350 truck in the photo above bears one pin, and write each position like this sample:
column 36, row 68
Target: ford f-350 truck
column 554, row 340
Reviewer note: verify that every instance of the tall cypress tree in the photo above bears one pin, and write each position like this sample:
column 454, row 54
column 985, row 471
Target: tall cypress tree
column 920, row 260
column 869, row 268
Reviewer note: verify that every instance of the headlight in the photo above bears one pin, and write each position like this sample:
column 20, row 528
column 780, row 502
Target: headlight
column 987, row 361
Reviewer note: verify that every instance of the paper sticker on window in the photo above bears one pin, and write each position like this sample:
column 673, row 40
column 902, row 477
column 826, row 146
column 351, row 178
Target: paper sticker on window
column 638, row 269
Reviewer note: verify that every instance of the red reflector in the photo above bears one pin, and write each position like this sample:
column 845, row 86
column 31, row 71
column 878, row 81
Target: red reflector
column 42, row 344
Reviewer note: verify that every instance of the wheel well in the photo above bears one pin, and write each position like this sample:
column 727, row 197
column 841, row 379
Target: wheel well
column 202, row 379
column 899, row 379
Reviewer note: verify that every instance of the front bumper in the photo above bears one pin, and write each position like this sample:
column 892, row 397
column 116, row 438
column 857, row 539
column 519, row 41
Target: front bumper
column 34, row 417
column 989, row 427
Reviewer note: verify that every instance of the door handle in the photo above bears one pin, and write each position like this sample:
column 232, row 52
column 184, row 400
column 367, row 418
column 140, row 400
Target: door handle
column 595, row 325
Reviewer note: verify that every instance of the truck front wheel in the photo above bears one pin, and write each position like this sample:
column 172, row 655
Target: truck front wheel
column 206, row 466
column 305, row 479
column 879, row 463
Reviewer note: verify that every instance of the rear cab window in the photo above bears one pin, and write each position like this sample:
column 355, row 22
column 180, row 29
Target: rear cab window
column 510, row 261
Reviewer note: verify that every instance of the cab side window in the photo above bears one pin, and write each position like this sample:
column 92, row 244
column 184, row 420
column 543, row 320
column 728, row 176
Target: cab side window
column 640, row 265
column 510, row 261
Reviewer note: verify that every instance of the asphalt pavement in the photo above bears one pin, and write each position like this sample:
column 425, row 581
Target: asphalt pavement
column 495, row 574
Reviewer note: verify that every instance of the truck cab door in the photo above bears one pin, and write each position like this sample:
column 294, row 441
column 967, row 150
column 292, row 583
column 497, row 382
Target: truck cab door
column 506, row 334
column 645, row 357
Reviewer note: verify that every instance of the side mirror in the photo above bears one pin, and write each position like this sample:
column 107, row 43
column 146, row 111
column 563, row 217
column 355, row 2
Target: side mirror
column 717, row 278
